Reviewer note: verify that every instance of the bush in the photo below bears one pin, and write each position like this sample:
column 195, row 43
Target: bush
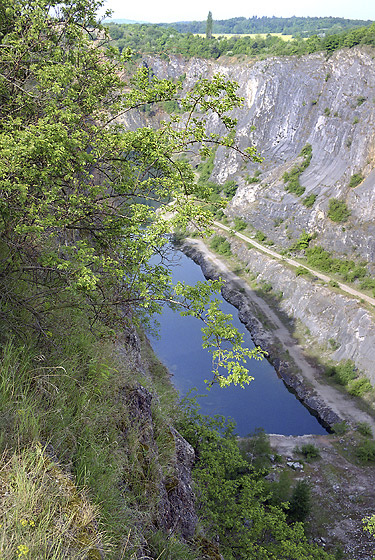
column 256, row 449
column 364, row 429
column 367, row 284
column 300, row 502
column 355, row 180
column 360, row 100
column 302, row 242
column 254, row 179
column 240, row 224
column 340, row 428
column 309, row 451
column 302, row 271
column 221, row 245
column 266, row 287
column 359, row 387
column 366, row 451
column 345, row 372
column 309, row 200
column 259, row 236
column 292, row 178
column 230, row 189
column 337, row 210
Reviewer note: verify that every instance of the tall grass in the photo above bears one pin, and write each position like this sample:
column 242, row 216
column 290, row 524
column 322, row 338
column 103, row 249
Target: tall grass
column 42, row 514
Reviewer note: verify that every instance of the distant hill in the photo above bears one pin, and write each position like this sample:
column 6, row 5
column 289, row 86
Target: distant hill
column 126, row 21
column 304, row 26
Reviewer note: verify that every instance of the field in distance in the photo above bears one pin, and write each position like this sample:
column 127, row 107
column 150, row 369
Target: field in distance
column 252, row 35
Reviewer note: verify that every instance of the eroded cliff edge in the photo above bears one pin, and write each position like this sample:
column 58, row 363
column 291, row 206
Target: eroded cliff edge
column 327, row 102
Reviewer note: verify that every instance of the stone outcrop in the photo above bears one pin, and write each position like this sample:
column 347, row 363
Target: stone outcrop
column 326, row 314
column 175, row 507
column 327, row 102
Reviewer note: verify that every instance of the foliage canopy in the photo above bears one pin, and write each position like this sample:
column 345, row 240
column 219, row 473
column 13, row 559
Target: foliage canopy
column 79, row 188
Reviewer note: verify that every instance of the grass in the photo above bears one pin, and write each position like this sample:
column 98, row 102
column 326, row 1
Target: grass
column 43, row 514
column 72, row 397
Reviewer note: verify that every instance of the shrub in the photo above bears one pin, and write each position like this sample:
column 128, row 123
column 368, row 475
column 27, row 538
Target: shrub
column 240, row 224
column 340, row 428
column 300, row 502
column 292, row 178
column 309, row 200
column 302, row 271
column 230, row 188
column 259, row 236
column 221, row 245
column 337, row 210
column 345, row 372
column 327, row 111
column 254, row 179
column 364, row 429
column 309, row 451
column 366, row 451
column 367, row 284
column 360, row 100
column 355, row 180
column 302, row 242
column 206, row 167
column 334, row 344
column 266, row 287
column 359, row 387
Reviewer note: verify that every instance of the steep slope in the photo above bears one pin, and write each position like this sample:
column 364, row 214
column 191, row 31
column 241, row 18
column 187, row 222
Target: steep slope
column 290, row 102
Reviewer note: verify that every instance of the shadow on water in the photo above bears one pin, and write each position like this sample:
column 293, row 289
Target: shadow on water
column 266, row 402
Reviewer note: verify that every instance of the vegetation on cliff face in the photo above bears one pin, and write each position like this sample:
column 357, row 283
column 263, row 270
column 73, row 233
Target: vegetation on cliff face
column 88, row 457
column 235, row 501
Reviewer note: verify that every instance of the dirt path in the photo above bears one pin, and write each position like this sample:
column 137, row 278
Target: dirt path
column 342, row 404
column 343, row 287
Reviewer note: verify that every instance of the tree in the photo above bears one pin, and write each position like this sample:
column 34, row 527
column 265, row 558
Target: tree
column 300, row 502
column 209, row 26
column 78, row 224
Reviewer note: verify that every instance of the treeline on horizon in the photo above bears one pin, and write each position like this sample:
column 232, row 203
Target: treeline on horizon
column 162, row 41
column 305, row 26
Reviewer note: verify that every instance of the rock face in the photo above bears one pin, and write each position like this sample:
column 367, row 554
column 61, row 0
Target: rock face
column 175, row 504
column 293, row 101
column 175, row 508
column 329, row 316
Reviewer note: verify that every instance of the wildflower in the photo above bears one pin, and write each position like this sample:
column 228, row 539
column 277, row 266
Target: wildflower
column 22, row 550
column 24, row 522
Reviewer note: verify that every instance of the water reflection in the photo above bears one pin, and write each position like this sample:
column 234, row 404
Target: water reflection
column 265, row 403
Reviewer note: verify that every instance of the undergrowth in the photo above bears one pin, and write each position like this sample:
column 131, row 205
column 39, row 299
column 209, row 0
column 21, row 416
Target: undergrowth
column 234, row 500
column 76, row 476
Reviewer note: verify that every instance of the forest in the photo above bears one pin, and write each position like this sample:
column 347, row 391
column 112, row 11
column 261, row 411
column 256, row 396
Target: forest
column 303, row 26
column 154, row 39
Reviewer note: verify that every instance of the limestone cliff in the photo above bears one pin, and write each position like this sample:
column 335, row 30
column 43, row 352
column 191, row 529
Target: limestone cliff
column 293, row 101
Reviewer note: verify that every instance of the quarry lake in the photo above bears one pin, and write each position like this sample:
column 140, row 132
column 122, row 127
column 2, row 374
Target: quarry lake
column 265, row 403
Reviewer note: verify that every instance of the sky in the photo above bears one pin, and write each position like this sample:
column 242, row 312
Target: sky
column 170, row 11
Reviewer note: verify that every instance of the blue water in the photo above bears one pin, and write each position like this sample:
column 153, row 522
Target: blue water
column 265, row 403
